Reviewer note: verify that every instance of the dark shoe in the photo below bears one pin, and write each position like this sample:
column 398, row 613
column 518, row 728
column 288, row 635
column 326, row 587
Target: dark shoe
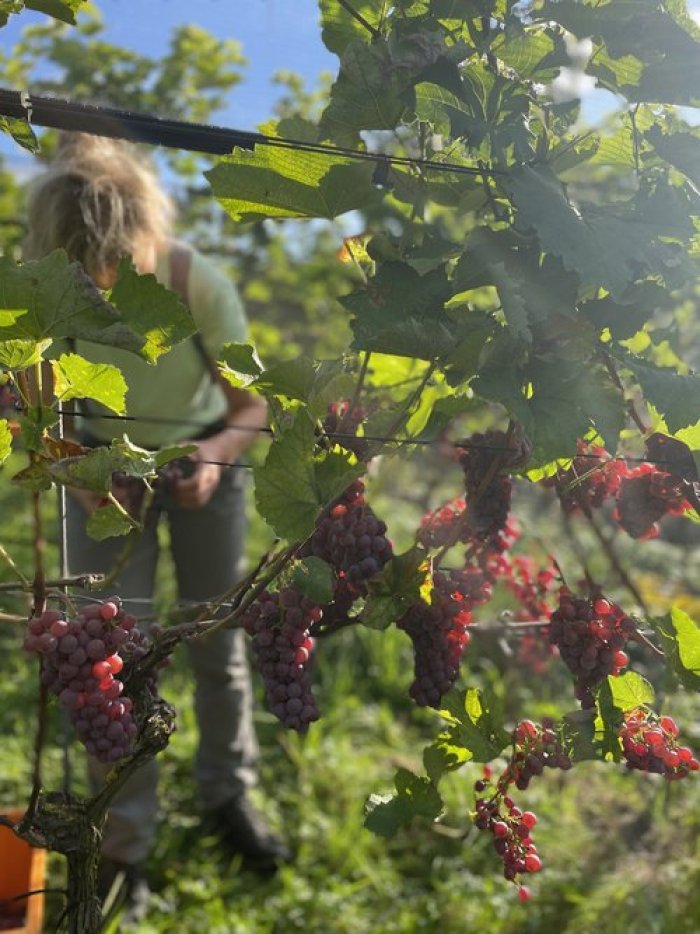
column 243, row 831
column 123, row 887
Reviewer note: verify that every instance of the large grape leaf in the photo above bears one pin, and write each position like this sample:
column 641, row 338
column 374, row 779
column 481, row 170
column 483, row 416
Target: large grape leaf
column 680, row 640
column 649, row 52
column 474, row 724
column 77, row 378
column 415, row 797
column 368, row 92
column 273, row 182
column 93, row 471
column 682, row 150
column 339, row 27
column 294, row 484
column 676, row 396
column 63, row 10
column 609, row 246
column 21, row 132
column 401, row 312
column 153, row 312
column 52, row 298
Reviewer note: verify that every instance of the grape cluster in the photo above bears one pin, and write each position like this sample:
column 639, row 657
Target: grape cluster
column 488, row 506
column 650, row 745
column 344, row 422
column 511, row 829
column 280, row 625
column 444, row 525
column 593, row 478
column 439, row 634
column 80, row 661
column 646, row 496
column 591, row 635
column 351, row 538
column 535, row 748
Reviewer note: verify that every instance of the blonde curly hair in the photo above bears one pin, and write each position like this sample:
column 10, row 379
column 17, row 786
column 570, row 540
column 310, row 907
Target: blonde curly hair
column 99, row 200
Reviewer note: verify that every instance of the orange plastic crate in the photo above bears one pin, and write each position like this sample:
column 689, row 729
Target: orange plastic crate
column 22, row 869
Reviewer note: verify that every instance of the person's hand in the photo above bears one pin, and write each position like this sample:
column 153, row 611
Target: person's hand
column 196, row 490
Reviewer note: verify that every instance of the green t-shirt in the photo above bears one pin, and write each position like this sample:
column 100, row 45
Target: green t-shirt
column 178, row 390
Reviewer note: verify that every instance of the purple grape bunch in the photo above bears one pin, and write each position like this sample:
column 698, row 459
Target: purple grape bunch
column 80, row 661
column 280, row 627
column 439, row 634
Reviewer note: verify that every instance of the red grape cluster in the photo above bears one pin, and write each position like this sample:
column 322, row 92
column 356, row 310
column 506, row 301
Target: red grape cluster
column 512, row 838
column 646, row 495
column 439, row 634
column 488, row 503
column 591, row 635
column 593, row 478
column 280, row 625
column 341, row 424
column 535, row 748
column 650, row 745
column 351, row 538
column 444, row 525
column 80, row 659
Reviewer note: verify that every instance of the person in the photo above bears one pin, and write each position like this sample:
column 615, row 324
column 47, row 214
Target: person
column 100, row 201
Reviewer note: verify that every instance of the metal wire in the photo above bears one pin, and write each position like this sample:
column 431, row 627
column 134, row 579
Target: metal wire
column 341, row 435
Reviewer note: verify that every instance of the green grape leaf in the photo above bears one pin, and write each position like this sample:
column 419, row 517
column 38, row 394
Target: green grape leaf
column 36, row 477
column 680, row 641
column 676, row 396
column 108, row 522
column 568, row 398
column 293, row 379
column 444, row 755
column 18, row 354
column 415, row 796
column 5, row 440
column 293, row 484
column 400, row 312
column 315, row 579
column 395, row 589
column 239, row 364
column 625, row 317
column 608, row 721
column 474, row 724
column 153, row 312
column 20, row 130
column 578, row 735
column 34, row 425
column 680, row 149
column 339, row 27
column 93, row 471
column 63, row 10
column 77, row 378
column 52, row 298
column 610, row 246
column 274, row 182
column 368, row 93
column 630, row 690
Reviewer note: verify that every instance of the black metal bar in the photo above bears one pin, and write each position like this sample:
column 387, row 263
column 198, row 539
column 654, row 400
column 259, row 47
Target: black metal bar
column 125, row 124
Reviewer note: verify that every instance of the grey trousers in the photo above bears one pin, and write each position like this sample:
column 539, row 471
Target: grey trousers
column 207, row 549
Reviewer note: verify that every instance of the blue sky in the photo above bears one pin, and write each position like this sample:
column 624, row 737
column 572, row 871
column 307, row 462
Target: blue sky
column 275, row 34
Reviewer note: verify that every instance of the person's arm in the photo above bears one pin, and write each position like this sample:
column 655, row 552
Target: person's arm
column 247, row 414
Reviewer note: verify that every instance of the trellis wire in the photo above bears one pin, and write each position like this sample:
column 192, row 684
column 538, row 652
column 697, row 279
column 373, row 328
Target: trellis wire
column 116, row 123
column 380, row 439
